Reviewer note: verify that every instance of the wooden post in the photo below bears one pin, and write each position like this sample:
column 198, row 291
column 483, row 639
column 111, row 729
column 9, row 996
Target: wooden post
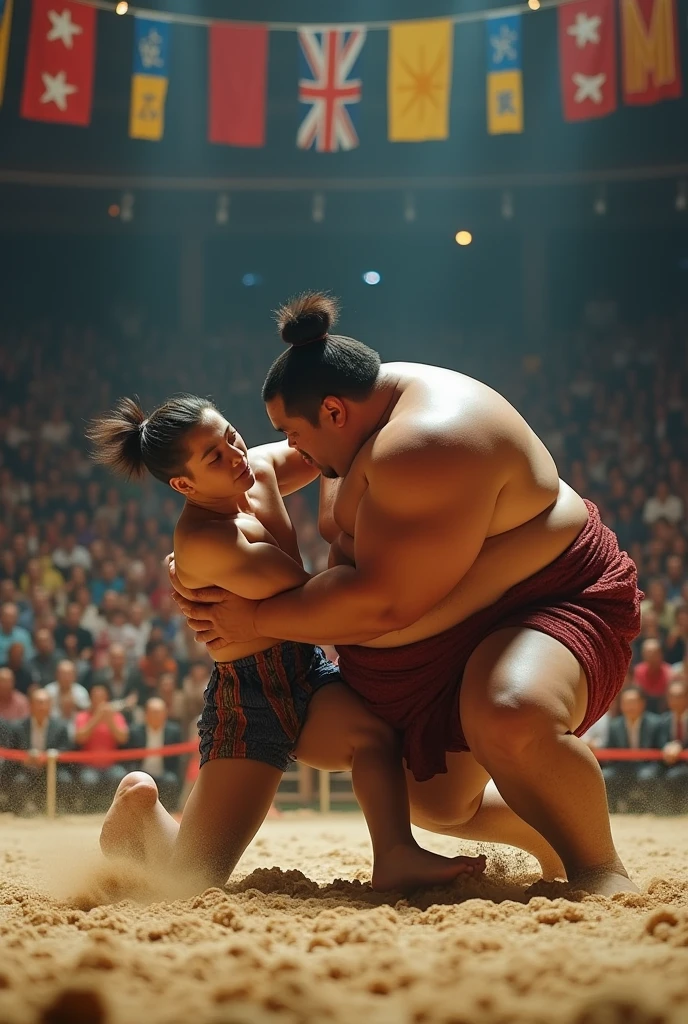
column 51, row 783
column 324, row 782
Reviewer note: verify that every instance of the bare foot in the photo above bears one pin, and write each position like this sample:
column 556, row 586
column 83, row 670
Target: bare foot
column 410, row 867
column 137, row 826
column 603, row 881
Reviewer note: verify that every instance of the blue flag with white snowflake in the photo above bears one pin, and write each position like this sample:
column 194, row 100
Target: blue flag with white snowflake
column 504, row 75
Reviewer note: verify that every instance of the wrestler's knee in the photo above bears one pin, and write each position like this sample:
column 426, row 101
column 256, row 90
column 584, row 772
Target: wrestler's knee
column 506, row 729
column 445, row 820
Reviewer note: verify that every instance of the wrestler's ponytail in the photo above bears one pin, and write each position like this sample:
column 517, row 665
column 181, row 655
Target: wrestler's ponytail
column 317, row 363
column 129, row 443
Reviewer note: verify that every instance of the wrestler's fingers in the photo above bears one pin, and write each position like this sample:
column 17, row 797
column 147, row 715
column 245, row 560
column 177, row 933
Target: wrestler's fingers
column 208, row 595
column 199, row 625
column 215, row 645
column 204, row 636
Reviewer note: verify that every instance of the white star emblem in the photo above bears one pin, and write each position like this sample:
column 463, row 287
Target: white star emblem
column 150, row 50
column 588, row 87
column 63, row 28
column 57, row 89
column 503, row 45
column 585, row 29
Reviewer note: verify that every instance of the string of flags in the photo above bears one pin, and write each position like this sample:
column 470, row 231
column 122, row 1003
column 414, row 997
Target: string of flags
column 60, row 62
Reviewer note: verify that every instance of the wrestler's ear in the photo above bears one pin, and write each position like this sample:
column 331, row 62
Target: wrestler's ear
column 182, row 485
column 333, row 412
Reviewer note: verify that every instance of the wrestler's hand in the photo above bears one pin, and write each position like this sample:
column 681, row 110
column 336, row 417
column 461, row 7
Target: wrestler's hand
column 216, row 625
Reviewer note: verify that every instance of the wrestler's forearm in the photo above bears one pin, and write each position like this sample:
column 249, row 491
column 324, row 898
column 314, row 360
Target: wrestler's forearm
column 336, row 607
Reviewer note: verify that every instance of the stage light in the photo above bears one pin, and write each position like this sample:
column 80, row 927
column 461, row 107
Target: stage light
column 681, row 201
column 251, row 280
column 600, row 204
column 372, row 277
column 507, row 205
column 463, row 238
column 534, row 5
column 126, row 212
column 122, row 7
column 318, row 208
column 222, row 210
column 409, row 208
column 113, row 210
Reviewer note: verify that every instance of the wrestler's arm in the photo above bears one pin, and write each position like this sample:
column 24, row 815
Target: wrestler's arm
column 417, row 509
column 292, row 472
column 222, row 557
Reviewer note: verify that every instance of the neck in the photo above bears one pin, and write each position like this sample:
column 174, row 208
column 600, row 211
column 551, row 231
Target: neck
column 375, row 411
column 222, row 506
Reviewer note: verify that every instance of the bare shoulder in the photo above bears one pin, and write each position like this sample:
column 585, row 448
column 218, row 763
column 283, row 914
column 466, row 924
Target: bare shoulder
column 202, row 539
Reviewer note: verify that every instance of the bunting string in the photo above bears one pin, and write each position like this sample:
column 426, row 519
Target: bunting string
column 465, row 18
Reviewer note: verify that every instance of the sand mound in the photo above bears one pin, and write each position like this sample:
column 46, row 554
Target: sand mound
column 309, row 941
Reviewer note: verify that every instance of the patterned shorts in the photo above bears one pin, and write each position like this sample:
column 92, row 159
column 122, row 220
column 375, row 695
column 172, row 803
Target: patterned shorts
column 256, row 707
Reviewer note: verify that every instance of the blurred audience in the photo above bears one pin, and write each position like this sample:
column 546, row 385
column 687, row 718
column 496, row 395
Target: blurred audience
column 633, row 782
column 81, row 579
column 100, row 729
column 157, row 731
column 35, row 734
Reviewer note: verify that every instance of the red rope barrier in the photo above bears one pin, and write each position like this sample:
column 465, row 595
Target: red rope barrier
column 105, row 756
column 110, row 756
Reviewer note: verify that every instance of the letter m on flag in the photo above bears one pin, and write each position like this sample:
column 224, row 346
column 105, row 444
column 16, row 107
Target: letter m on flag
column 330, row 85
column 651, row 63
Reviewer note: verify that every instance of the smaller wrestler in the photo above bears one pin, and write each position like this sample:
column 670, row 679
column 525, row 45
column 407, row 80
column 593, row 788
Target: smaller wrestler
column 268, row 701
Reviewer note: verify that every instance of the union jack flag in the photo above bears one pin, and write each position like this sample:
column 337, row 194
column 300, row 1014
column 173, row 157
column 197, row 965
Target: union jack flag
column 330, row 85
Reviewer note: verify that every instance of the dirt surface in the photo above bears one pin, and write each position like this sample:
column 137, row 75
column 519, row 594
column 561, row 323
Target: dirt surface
column 308, row 941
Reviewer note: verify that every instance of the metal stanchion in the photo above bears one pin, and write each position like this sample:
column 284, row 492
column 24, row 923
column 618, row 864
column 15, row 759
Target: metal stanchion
column 324, row 785
column 51, row 783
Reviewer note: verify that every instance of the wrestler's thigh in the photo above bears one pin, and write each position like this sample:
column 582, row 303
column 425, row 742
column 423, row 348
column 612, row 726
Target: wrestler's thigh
column 446, row 801
column 337, row 722
column 518, row 678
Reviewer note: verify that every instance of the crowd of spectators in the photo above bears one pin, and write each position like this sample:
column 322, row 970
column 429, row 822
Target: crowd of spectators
column 93, row 654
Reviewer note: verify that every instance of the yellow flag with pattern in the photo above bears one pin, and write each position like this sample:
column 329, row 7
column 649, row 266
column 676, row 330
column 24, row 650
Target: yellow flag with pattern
column 5, row 29
column 419, row 80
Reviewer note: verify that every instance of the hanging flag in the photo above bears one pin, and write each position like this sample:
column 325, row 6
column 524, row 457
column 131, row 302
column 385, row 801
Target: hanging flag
column 330, row 85
column 58, row 77
column 651, row 62
column 5, row 29
column 587, row 56
column 238, row 72
column 419, row 80
column 504, row 76
column 149, row 79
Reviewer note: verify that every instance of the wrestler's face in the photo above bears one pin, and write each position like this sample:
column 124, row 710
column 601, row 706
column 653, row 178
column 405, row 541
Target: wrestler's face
column 217, row 463
column 330, row 446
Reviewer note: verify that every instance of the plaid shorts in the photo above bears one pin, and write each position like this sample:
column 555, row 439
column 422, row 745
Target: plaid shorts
column 256, row 707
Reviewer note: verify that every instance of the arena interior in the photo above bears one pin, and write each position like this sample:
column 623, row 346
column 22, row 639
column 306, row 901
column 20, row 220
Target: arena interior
column 499, row 191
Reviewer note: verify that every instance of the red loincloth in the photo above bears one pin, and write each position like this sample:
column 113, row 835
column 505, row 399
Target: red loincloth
column 588, row 599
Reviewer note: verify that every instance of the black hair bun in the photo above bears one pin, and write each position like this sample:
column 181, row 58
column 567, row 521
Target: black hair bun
column 307, row 318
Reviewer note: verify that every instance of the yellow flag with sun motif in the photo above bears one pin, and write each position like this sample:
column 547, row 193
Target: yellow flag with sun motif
column 419, row 80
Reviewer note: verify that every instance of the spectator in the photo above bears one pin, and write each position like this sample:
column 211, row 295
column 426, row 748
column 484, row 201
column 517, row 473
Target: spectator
column 12, row 633
column 23, row 679
column 632, row 782
column 657, row 602
column 13, row 705
column 155, row 732
column 81, row 662
column 663, row 505
column 155, row 663
column 597, row 736
column 71, row 626
column 99, row 730
column 673, row 739
column 65, row 683
column 57, row 429
column 675, row 577
column 70, row 555
column 652, row 676
column 35, row 734
column 43, row 665
column 193, row 688
column 136, row 632
column 120, row 681
column 106, row 579
column 676, row 642
column 41, row 572
column 172, row 697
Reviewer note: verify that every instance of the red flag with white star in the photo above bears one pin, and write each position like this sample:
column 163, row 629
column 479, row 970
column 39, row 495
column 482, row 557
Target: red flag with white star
column 587, row 57
column 58, row 78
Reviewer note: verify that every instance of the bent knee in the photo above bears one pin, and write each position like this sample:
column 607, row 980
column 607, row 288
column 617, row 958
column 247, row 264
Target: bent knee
column 507, row 730
column 445, row 820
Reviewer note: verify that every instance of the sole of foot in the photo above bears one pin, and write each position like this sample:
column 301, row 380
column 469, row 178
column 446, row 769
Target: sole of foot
column 123, row 833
